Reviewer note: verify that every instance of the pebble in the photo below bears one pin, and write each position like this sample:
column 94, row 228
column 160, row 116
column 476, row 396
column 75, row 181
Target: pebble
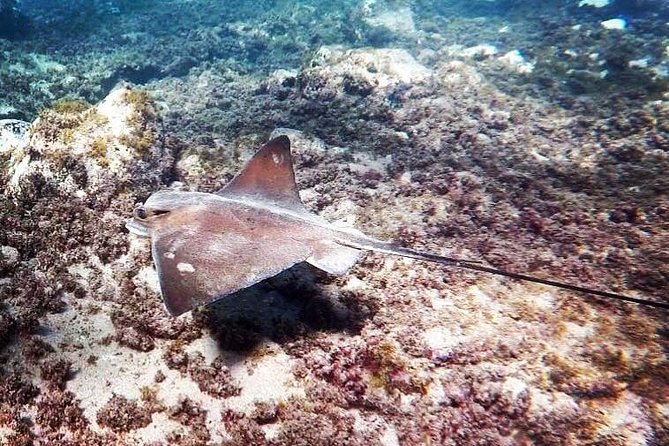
column 9, row 257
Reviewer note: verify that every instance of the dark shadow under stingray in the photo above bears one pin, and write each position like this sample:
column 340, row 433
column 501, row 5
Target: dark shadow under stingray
column 285, row 307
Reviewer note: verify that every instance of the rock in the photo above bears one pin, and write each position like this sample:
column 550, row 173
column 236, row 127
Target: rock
column 398, row 20
column 361, row 71
column 13, row 134
column 80, row 149
column 9, row 257
column 299, row 140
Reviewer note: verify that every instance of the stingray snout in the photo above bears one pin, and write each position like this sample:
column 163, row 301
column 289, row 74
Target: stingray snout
column 137, row 228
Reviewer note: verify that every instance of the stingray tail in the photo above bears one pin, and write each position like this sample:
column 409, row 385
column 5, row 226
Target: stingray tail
column 389, row 248
column 566, row 286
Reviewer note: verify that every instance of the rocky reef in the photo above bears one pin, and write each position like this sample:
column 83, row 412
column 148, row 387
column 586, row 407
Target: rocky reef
column 426, row 148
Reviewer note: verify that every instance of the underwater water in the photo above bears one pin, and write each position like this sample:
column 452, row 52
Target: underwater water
column 530, row 136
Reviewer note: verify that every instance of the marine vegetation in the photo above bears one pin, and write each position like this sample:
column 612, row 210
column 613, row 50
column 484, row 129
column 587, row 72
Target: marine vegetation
column 528, row 136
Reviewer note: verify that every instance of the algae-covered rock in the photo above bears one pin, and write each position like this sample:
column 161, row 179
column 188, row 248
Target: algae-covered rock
column 108, row 143
column 359, row 72
column 69, row 180
column 422, row 145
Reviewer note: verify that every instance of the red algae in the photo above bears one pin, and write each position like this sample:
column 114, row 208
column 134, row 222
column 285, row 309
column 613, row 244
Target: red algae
column 437, row 151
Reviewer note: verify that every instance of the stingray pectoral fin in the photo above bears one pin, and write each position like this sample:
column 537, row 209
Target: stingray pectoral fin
column 333, row 258
column 199, row 268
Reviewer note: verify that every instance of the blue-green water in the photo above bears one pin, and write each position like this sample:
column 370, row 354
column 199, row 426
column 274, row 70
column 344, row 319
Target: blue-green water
column 102, row 42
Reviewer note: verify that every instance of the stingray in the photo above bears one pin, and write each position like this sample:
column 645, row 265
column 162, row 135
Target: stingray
column 206, row 246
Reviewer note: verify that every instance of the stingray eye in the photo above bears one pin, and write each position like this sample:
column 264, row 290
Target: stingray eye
column 140, row 213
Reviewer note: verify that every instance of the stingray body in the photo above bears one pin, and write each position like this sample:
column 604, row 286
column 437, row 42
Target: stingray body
column 206, row 246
